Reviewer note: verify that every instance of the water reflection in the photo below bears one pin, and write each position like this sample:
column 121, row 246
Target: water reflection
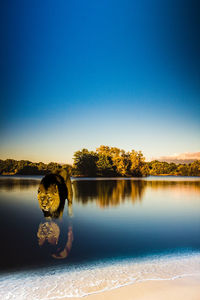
column 13, row 184
column 36, row 234
column 53, row 190
column 187, row 185
column 109, row 193
column 115, row 192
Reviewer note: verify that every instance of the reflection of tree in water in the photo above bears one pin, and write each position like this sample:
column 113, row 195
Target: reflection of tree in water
column 53, row 190
column 168, row 183
column 12, row 184
column 109, row 192
column 114, row 192
column 175, row 185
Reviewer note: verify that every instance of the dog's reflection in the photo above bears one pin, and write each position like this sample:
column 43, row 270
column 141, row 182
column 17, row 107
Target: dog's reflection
column 53, row 191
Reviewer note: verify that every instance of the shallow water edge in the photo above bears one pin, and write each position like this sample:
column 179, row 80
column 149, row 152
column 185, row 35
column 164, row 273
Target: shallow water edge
column 60, row 282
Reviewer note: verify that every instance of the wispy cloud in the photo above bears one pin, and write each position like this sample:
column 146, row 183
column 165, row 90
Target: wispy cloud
column 186, row 157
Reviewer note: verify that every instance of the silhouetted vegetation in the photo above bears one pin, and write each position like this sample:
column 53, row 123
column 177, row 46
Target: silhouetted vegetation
column 112, row 161
column 26, row 167
column 164, row 168
column 104, row 162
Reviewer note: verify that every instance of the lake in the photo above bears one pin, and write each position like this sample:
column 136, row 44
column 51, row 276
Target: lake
column 110, row 221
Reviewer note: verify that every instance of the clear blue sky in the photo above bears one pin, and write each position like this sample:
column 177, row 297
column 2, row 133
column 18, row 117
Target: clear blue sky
column 78, row 74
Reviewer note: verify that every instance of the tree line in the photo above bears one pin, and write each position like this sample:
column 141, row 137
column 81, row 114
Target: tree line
column 112, row 161
column 26, row 167
column 104, row 162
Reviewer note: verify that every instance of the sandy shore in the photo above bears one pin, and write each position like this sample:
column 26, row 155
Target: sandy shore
column 187, row 288
column 175, row 277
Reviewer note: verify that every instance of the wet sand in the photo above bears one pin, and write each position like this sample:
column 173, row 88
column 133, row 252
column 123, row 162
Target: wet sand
column 187, row 288
column 158, row 278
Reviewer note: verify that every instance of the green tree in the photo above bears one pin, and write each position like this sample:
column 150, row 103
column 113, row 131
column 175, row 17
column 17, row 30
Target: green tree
column 122, row 163
column 85, row 162
column 145, row 171
column 182, row 170
column 104, row 166
column 194, row 168
column 137, row 163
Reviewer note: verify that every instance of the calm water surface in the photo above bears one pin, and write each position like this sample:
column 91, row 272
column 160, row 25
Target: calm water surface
column 115, row 218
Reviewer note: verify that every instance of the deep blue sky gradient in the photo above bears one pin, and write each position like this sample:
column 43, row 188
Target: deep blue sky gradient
column 84, row 73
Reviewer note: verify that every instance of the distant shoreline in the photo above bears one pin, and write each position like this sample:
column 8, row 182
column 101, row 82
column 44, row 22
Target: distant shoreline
column 40, row 176
column 99, row 164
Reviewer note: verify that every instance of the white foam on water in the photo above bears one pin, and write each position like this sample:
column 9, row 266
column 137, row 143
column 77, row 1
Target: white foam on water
column 61, row 282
